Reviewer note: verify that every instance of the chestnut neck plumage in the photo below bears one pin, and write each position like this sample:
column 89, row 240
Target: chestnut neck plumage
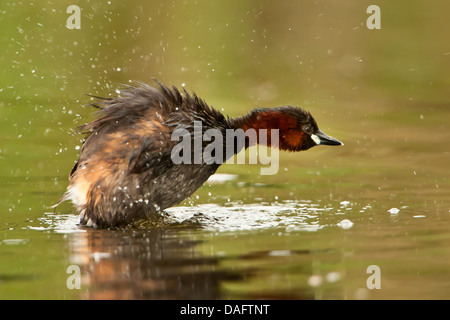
column 290, row 137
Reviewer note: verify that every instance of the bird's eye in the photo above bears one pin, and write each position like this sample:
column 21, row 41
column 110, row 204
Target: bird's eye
column 307, row 129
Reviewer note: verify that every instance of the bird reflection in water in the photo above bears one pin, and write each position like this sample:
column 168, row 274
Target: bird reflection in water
column 145, row 264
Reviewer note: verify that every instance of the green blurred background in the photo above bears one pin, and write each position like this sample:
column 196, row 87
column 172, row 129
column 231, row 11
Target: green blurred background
column 359, row 83
column 384, row 93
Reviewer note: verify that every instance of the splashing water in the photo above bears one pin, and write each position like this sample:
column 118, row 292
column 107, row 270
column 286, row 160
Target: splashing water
column 287, row 216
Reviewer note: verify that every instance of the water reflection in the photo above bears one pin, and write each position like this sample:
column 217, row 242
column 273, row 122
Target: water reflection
column 166, row 264
column 170, row 261
column 145, row 264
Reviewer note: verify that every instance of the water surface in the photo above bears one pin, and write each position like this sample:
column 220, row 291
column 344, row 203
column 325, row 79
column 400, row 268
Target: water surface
column 309, row 232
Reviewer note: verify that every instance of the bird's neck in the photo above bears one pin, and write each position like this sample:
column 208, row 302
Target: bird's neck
column 263, row 122
column 264, row 119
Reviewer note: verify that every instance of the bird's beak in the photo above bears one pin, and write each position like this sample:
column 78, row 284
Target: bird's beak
column 322, row 138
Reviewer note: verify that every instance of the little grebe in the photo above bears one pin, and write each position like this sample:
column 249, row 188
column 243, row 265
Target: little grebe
column 125, row 172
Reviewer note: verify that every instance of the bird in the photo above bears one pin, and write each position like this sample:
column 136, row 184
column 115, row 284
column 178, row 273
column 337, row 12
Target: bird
column 126, row 173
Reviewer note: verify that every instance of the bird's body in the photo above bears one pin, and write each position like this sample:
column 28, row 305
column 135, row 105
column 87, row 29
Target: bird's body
column 125, row 172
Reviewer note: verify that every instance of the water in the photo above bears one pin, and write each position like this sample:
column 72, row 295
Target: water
column 312, row 231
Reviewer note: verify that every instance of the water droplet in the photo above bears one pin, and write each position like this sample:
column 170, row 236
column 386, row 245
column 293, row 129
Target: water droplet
column 345, row 224
column 333, row 276
column 315, row 280
column 394, row 211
